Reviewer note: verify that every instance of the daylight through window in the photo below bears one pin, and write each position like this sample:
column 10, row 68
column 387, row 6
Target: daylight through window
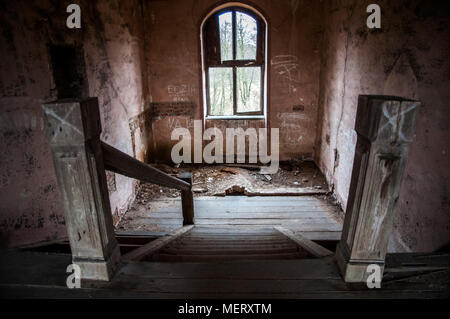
column 234, row 62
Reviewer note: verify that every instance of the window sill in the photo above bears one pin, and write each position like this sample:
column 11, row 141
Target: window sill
column 235, row 117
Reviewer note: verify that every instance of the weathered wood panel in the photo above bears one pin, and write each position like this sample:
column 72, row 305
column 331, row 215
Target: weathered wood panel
column 73, row 132
column 155, row 245
column 25, row 274
column 304, row 242
column 385, row 127
column 121, row 163
column 308, row 214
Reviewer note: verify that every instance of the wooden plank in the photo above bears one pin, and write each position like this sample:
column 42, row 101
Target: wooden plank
column 241, row 222
column 226, row 285
column 38, row 292
column 305, row 243
column 155, row 245
column 231, row 235
column 223, row 246
column 224, row 215
column 245, row 221
column 274, row 202
column 257, row 212
column 321, row 235
column 225, row 207
column 308, row 269
column 225, row 240
column 294, row 224
column 417, row 262
column 162, row 228
column 262, row 198
column 39, row 275
column 187, row 200
column 286, row 191
column 235, row 237
column 228, row 251
column 121, row 163
column 138, row 233
column 212, row 231
column 322, row 224
column 209, row 258
column 249, row 287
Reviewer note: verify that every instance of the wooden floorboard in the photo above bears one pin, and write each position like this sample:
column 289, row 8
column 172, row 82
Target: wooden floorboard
column 298, row 213
column 216, row 263
column 42, row 292
column 42, row 275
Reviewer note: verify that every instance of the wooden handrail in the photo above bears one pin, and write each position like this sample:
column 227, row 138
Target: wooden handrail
column 121, row 163
column 73, row 129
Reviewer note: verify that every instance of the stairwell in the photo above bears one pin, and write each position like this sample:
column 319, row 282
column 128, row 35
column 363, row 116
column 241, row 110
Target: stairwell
column 229, row 244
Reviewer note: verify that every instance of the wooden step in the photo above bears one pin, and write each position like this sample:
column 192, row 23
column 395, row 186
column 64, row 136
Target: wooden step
column 215, row 258
column 229, row 244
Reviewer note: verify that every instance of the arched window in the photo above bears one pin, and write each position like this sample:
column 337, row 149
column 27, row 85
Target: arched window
column 233, row 44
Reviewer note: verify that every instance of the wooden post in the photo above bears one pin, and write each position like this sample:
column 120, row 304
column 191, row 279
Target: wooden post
column 187, row 200
column 73, row 131
column 385, row 127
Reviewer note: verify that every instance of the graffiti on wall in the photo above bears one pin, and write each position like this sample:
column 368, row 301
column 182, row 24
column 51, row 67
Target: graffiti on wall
column 182, row 92
column 287, row 68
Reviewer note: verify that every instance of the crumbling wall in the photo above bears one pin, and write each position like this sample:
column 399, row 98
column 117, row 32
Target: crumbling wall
column 111, row 38
column 408, row 57
column 174, row 69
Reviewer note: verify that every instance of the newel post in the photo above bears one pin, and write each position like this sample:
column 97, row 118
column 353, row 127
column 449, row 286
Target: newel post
column 73, row 131
column 187, row 200
column 385, row 128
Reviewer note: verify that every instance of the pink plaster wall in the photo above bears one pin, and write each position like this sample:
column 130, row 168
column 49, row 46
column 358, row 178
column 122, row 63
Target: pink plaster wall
column 174, row 69
column 141, row 52
column 112, row 39
column 408, row 57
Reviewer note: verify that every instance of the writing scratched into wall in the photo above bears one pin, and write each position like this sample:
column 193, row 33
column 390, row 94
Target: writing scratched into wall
column 182, row 92
column 287, row 68
column 290, row 124
column 180, row 122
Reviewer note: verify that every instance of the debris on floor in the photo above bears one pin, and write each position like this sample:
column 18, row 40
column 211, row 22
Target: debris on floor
column 296, row 178
column 292, row 178
column 229, row 170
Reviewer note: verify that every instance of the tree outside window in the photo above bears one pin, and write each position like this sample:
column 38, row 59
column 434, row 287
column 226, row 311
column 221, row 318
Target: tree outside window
column 234, row 60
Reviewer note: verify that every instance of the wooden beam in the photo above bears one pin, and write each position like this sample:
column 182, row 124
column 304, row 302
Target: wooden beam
column 121, row 163
column 305, row 243
column 187, row 200
column 155, row 245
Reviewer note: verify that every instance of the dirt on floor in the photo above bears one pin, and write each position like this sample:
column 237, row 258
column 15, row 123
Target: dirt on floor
column 294, row 177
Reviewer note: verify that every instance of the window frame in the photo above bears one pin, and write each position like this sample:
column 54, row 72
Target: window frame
column 213, row 60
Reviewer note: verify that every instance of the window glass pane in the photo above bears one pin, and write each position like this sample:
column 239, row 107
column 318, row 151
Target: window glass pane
column 246, row 31
column 248, row 89
column 226, row 36
column 221, row 91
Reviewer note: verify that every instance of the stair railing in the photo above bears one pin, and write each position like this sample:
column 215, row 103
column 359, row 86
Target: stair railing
column 80, row 159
